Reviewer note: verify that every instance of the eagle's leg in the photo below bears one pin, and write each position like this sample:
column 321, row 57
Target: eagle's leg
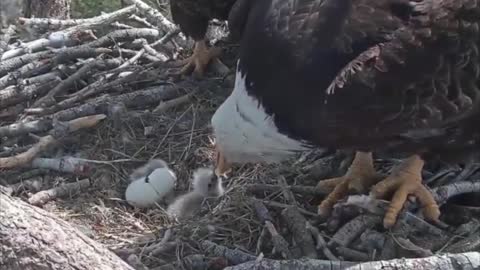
column 200, row 58
column 404, row 180
column 360, row 176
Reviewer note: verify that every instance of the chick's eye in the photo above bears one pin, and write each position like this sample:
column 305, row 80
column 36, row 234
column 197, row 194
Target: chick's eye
column 210, row 185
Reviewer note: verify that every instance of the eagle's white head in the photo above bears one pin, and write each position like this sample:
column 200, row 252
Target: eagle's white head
column 245, row 133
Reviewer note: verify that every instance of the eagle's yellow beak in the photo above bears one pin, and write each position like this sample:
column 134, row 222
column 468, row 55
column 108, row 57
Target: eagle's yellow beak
column 222, row 167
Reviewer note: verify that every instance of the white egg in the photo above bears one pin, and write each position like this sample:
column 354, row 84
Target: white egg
column 146, row 191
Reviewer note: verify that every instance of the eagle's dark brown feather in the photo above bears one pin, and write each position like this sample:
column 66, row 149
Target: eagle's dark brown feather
column 370, row 75
column 193, row 16
column 424, row 77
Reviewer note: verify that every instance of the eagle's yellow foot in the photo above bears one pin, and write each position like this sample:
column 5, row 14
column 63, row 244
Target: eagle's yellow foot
column 406, row 179
column 200, row 59
column 360, row 176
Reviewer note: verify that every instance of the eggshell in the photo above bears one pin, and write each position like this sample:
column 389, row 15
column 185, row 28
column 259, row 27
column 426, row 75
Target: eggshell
column 141, row 193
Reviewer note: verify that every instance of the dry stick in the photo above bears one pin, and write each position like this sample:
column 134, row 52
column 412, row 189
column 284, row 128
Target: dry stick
column 443, row 193
column 12, row 111
column 133, row 59
column 86, row 71
column 352, row 255
column 89, row 90
column 44, row 142
column 153, row 52
column 141, row 20
column 467, row 171
column 464, row 261
column 232, row 255
column 43, row 78
column 15, row 94
column 154, row 15
column 304, row 190
column 297, row 225
column 16, row 62
column 408, row 245
column 7, row 80
column 164, row 245
column 26, row 157
column 102, row 20
column 132, row 53
column 348, row 232
column 40, row 125
column 123, row 35
column 136, row 263
column 55, row 41
column 73, row 165
column 378, row 207
column 150, row 50
column 166, row 38
column 32, row 46
column 33, row 184
column 73, row 53
column 29, row 70
column 5, row 38
column 101, row 104
column 90, row 22
column 287, row 193
column 166, row 105
column 283, row 205
column 17, row 129
column 279, row 243
column 34, row 69
column 321, row 243
column 121, row 25
column 290, row 197
column 465, row 245
column 261, row 239
column 44, row 196
column 97, row 87
column 303, row 264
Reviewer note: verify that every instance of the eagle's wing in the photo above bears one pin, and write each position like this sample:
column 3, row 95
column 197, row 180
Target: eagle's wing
column 408, row 66
column 237, row 18
column 191, row 15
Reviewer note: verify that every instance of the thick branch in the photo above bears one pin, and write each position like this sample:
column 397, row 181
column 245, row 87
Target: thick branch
column 154, row 15
column 100, row 105
column 297, row 224
column 34, row 239
column 85, row 23
column 465, row 261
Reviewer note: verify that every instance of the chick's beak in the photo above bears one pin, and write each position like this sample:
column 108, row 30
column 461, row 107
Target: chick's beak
column 222, row 167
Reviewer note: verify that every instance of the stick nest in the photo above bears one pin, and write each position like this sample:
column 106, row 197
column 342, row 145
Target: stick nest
column 83, row 102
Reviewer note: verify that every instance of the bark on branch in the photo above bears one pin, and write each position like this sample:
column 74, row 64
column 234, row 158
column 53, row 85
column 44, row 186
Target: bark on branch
column 34, row 239
column 465, row 261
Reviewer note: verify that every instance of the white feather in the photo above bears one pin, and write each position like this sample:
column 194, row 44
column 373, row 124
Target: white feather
column 142, row 193
column 253, row 140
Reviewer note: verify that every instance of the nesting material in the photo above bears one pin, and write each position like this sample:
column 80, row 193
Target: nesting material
column 150, row 184
column 205, row 184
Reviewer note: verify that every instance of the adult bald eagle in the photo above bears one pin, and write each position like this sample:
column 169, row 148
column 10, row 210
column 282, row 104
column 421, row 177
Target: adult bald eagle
column 366, row 75
column 193, row 17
